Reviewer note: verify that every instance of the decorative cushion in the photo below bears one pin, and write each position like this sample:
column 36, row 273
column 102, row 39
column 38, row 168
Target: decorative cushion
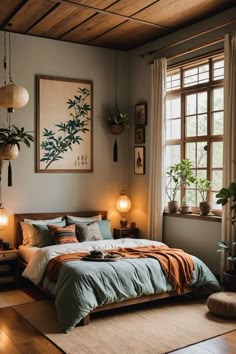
column 37, row 235
column 78, row 219
column 105, row 229
column 62, row 235
column 88, row 232
column 223, row 304
column 43, row 222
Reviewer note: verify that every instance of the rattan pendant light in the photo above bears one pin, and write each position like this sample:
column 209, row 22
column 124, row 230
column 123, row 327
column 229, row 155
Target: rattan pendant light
column 11, row 95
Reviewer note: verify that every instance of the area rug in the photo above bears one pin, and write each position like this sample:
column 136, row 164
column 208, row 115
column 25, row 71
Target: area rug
column 154, row 328
column 14, row 297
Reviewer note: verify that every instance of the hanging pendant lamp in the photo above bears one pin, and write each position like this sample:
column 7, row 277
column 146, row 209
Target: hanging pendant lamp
column 11, row 95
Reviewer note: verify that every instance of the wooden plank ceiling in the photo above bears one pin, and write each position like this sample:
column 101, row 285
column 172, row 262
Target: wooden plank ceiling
column 122, row 24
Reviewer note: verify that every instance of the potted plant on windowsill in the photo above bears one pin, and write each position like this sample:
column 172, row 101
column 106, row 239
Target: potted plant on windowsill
column 203, row 186
column 118, row 121
column 228, row 195
column 10, row 140
column 179, row 175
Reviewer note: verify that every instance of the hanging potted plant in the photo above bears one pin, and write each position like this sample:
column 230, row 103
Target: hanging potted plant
column 10, row 140
column 118, row 121
column 228, row 195
column 203, row 186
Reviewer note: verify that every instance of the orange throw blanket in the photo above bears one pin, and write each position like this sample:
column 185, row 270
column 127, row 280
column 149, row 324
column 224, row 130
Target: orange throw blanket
column 177, row 265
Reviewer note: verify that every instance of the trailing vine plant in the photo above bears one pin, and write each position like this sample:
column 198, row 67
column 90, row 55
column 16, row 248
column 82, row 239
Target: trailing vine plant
column 56, row 144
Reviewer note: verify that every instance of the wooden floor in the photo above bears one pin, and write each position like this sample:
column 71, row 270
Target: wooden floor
column 18, row 336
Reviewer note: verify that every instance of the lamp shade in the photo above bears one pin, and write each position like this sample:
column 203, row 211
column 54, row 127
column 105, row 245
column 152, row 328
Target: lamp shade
column 13, row 96
column 3, row 218
column 123, row 203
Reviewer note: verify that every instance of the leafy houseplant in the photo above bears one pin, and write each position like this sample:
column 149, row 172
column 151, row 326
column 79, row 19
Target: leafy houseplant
column 10, row 140
column 179, row 175
column 118, row 121
column 228, row 195
column 203, row 186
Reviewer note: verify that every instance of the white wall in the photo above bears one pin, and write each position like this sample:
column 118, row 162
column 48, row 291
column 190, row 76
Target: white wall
column 38, row 192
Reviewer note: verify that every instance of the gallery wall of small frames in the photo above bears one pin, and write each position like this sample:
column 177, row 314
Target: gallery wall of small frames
column 139, row 138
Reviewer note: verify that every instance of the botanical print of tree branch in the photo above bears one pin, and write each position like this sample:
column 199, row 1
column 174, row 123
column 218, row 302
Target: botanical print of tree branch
column 56, row 144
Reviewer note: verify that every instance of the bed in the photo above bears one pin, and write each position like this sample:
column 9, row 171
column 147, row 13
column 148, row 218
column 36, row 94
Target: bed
column 84, row 287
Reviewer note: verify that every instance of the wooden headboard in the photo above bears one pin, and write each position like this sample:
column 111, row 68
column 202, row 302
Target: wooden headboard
column 41, row 216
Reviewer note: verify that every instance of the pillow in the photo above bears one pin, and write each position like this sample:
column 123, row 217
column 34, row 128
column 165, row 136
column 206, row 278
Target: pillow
column 44, row 235
column 43, row 222
column 62, row 235
column 88, row 232
column 32, row 236
column 79, row 219
column 105, row 229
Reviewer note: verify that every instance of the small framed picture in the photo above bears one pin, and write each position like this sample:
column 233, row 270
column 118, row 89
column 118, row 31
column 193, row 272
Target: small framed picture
column 141, row 114
column 139, row 135
column 139, row 160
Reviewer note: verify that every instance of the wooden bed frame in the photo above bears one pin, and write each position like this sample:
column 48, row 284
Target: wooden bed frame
column 86, row 319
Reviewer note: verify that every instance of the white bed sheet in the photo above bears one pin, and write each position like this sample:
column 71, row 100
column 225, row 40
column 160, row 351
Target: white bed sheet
column 27, row 252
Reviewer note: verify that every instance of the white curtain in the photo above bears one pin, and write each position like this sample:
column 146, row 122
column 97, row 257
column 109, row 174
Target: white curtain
column 157, row 143
column 229, row 167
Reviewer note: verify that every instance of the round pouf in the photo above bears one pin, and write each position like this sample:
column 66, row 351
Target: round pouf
column 222, row 304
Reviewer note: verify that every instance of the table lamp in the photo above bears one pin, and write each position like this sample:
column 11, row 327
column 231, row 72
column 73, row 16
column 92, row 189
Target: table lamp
column 123, row 205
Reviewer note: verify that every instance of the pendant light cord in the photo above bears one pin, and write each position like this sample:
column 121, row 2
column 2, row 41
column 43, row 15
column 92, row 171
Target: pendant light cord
column 1, row 164
column 9, row 59
column 5, row 58
column 116, row 80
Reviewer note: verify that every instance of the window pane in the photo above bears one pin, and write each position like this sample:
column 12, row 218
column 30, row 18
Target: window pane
column 196, row 75
column 191, row 152
column 173, row 129
column 190, row 197
column 191, row 104
column 217, row 180
column 201, row 173
column 213, row 201
column 202, row 125
column 202, row 102
column 173, row 108
column 218, row 70
column 173, row 81
column 172, row 154
column 201, row 154
column 217, row 154
column 191, row 126
column 218, row 123
column 218, row 99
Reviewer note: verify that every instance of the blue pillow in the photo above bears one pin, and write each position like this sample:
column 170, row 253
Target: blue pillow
column 44, row 235
column 104, row 226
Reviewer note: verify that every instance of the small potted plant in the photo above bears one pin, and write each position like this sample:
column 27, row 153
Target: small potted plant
column 10, row 140
column 203, row 186
column 118, row 121
column 179, row 175
column 228, row 195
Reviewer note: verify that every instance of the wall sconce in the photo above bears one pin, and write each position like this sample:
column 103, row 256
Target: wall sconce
column 123, row 205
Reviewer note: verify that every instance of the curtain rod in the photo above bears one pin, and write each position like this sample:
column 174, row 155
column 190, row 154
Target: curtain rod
column 154, row 51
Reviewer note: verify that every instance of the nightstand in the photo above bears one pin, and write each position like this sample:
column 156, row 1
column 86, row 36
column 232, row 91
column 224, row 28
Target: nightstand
column 121, row 232
column 8, row 266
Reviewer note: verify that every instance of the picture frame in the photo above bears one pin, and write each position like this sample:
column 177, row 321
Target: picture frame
column 141, row 114
column 139, row 137
column 139, row 160
column 64, row 136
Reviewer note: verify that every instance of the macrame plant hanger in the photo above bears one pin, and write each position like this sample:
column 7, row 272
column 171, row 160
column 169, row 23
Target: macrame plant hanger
column 116, row 129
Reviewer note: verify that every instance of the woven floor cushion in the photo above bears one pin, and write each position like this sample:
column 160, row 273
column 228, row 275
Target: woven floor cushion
column 222, row 304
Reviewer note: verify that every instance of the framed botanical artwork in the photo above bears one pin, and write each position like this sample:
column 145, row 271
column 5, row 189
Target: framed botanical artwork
column 139, row 160
column 139, row 137
column 141, row 114
column 64, row 125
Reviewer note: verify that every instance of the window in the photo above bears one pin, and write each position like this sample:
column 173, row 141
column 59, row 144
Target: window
column 195, row 120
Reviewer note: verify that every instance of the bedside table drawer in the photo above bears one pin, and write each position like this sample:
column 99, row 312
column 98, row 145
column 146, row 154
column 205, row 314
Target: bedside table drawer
column 6, row 256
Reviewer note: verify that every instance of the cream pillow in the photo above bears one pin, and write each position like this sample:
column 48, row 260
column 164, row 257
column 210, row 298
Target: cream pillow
column 43, row 222
column 78, row 219
column 30, row 234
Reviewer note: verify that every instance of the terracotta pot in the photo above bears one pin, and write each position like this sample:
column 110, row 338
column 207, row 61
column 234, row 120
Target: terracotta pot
column 8, row 151
column 205, row 208
column 173, row 206
column 185, row 209
column 116, row 129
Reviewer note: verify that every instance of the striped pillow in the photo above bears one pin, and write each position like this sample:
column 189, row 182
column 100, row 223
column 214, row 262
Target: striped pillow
column 62, row 235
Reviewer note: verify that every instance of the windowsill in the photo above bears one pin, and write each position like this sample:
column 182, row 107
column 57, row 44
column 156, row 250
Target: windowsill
column 209, row 217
